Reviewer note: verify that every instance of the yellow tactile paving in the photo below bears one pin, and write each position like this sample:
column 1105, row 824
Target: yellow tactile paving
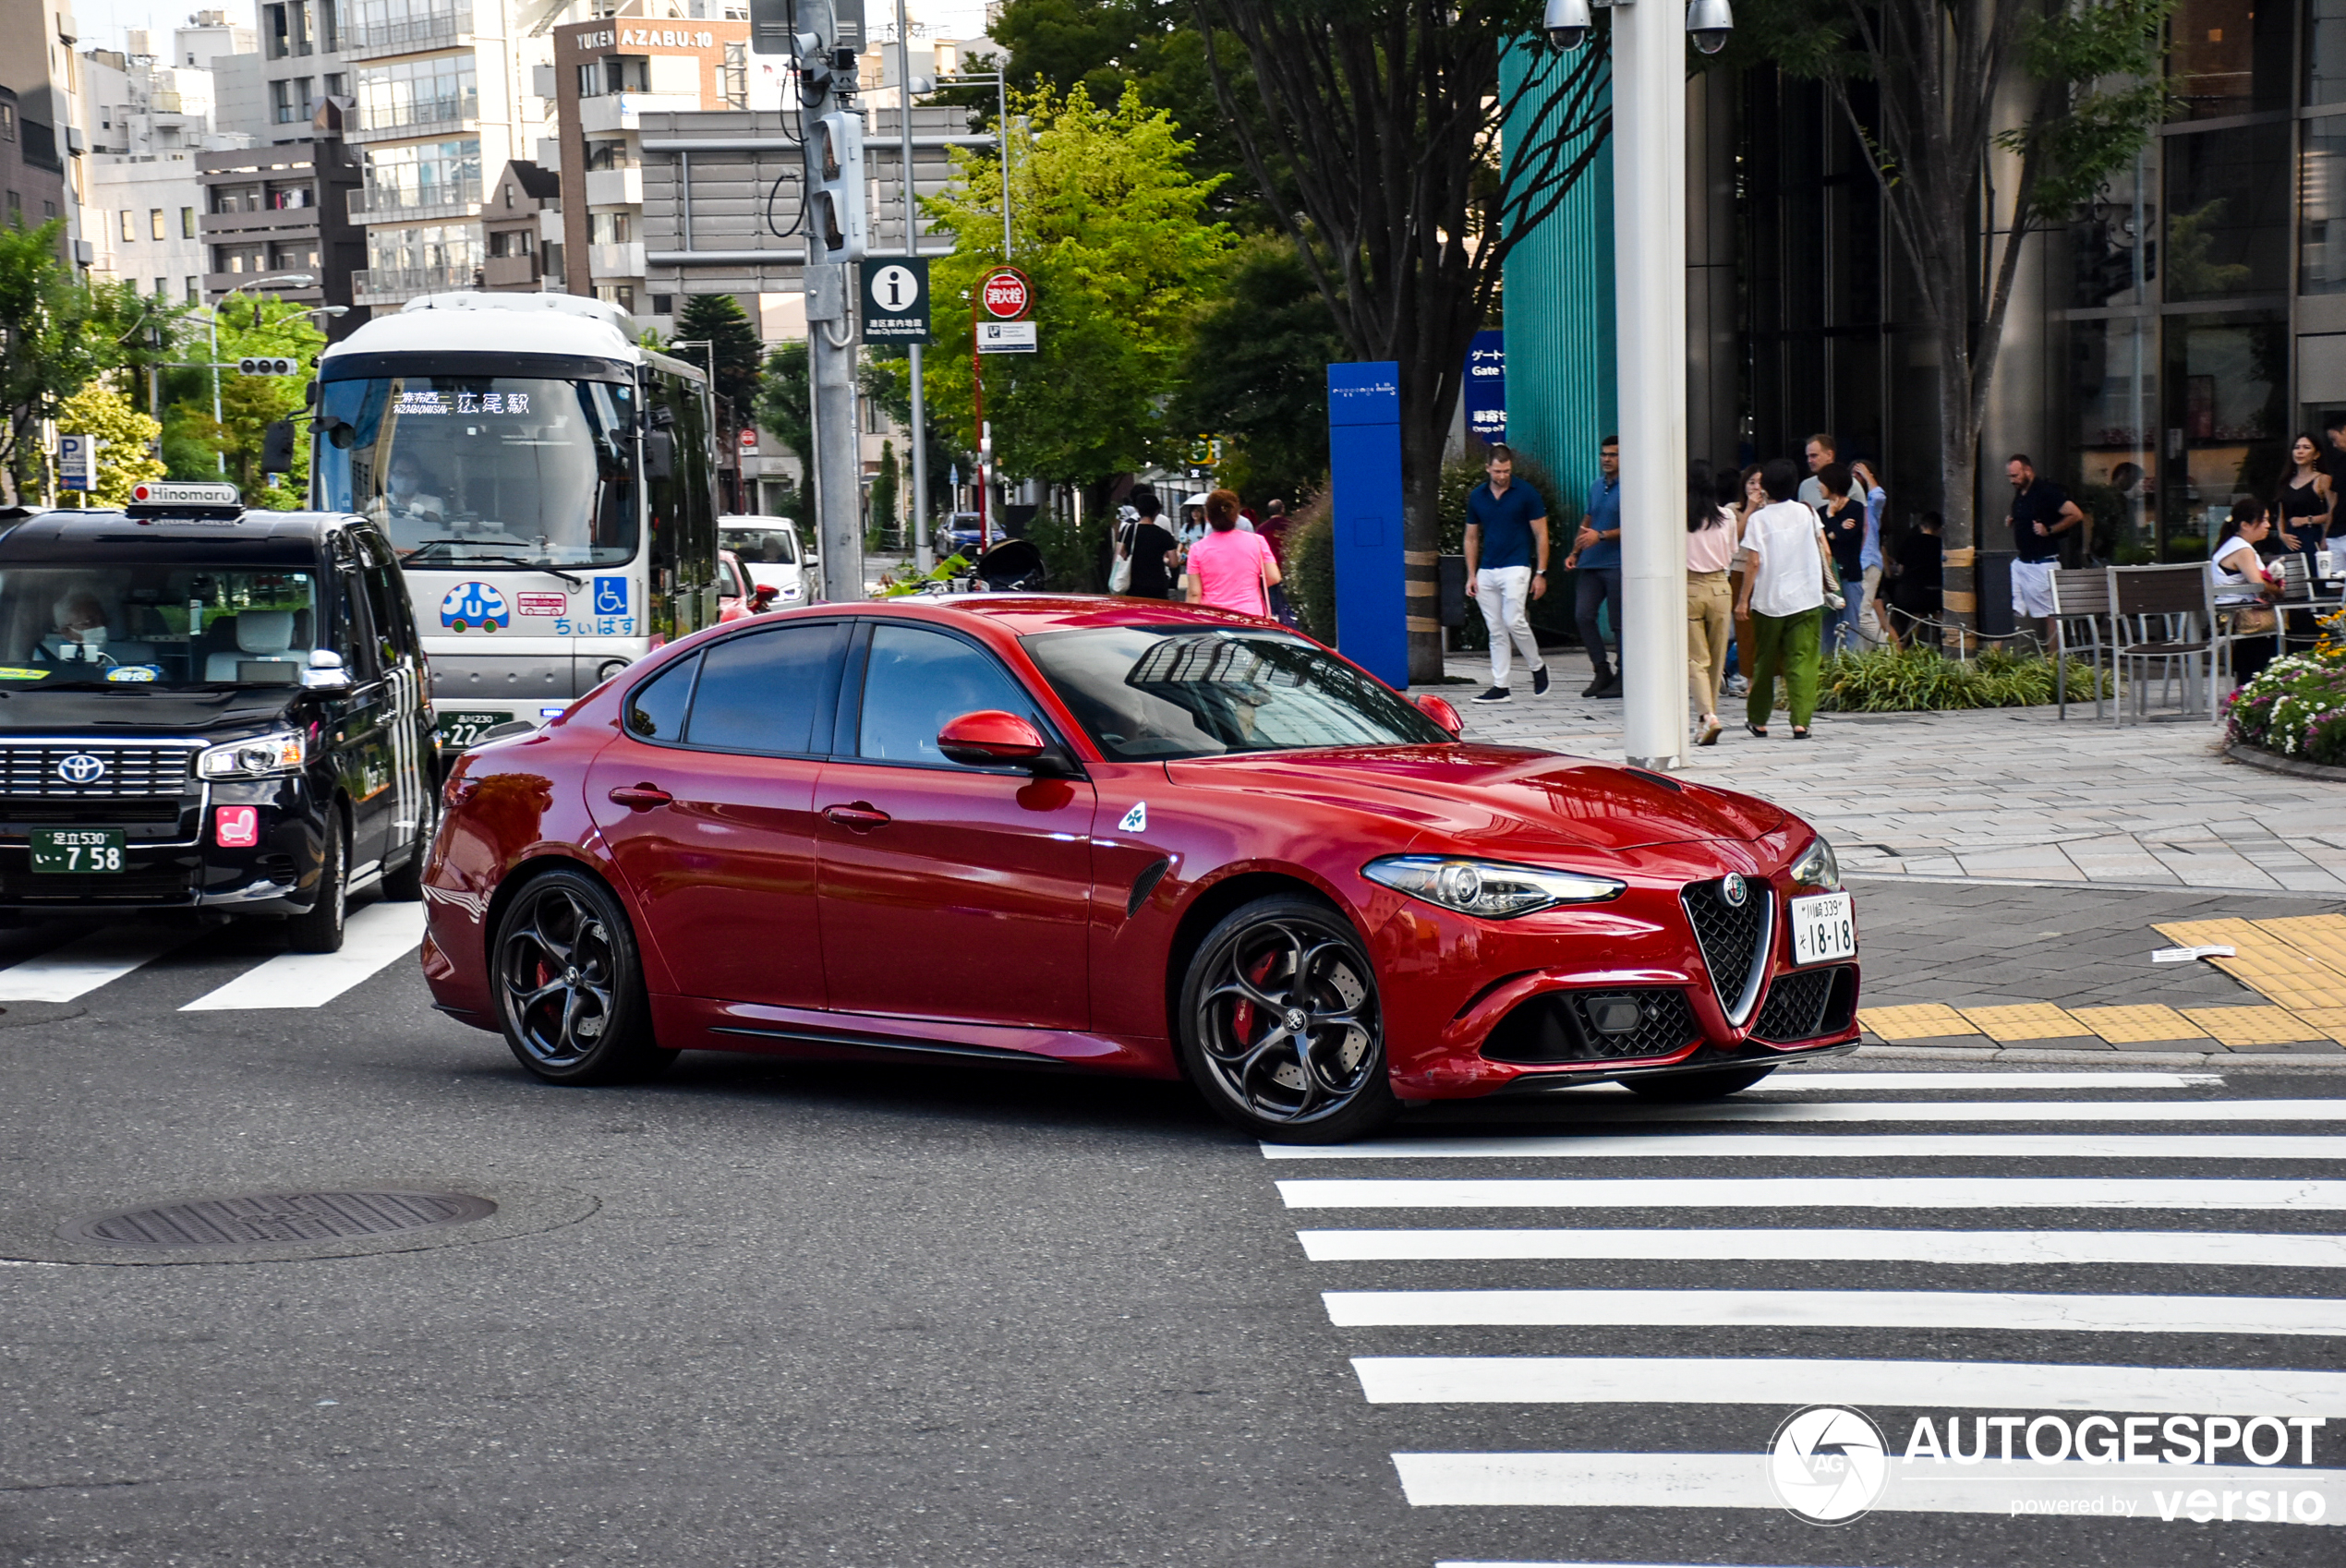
column 2320, row 937
column 2135, row 1026
column 2027, row 1020
column 2325, row 1023
column 1920, row 1021
column 2273, row 967
column 2252, row 1026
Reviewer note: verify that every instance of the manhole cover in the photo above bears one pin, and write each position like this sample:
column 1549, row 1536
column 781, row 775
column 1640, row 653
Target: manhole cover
column 267, row 1218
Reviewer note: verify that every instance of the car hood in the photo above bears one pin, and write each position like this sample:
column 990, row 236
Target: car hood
column 1502, row 801
column 222, row 714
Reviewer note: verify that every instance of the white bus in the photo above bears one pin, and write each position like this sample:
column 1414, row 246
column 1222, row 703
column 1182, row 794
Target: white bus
column 549, row 486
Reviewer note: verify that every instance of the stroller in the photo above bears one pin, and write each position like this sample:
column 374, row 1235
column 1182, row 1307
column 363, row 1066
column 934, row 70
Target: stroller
column 1014, row 566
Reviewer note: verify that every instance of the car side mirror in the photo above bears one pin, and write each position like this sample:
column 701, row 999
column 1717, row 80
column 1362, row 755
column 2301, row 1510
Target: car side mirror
column 325, row 672
column 989, row 737
column 1439, row 710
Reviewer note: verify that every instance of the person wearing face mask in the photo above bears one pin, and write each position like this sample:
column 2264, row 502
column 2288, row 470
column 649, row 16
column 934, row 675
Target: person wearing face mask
column 81, row 632
column 407, row 510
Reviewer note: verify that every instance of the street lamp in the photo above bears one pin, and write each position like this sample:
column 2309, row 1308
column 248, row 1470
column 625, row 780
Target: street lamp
column 290, row 280
column 1649, row 323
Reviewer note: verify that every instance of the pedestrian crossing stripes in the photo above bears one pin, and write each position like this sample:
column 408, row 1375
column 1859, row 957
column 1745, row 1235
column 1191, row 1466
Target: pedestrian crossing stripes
column 1802, row 1192
column 1844, row 1146
column 2152, row 1247
column 374, row 938
column 1794, row 1381
column 2268, row 1319
column 82, row 965
column 1984, row 1311
column 1823, row 1080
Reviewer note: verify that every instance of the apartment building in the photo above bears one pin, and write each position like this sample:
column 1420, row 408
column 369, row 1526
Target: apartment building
column 146, row 121
column 521, row 223
column 40, row 137
column 280, row 209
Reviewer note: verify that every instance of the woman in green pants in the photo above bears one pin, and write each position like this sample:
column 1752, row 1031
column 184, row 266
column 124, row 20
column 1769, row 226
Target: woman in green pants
column 1783, row 592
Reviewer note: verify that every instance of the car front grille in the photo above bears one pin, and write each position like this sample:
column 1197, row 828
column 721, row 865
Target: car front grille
column 161, row 884
column 1807, row 1005
column 1561, row 1026
column 71, row 770
column 92, row 811
column 1733, row 939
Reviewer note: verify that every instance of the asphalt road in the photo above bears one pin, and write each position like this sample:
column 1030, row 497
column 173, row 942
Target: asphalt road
column 764, row 1313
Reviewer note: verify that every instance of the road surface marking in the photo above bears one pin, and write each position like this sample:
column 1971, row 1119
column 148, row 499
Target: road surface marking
column 1832, row 1146
column 1806, row 1079
column 2217, row 1248
column 1804, row 1192
column 1990, row 1310
column 376, row 937
column 64, row 975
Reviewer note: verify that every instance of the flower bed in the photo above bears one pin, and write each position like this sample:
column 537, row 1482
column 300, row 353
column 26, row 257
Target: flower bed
column 2296, row 707
column 1920, row 680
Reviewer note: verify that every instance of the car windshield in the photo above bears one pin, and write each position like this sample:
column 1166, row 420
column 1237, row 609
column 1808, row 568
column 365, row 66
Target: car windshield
column 484, row 470
column 760, row 547
column 153, row 625
column 1144, row 693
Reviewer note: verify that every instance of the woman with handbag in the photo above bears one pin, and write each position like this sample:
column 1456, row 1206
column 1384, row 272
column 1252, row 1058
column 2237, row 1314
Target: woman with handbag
column 2245, row 590
column 1784, row 593
column 1145, row 552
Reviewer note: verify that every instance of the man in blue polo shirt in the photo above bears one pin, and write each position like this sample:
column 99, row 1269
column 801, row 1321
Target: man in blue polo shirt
column 1597, row 552
column 1506, row 561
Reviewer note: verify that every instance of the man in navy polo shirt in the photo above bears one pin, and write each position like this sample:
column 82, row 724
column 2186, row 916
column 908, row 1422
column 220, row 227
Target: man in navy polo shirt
column 1506, row 560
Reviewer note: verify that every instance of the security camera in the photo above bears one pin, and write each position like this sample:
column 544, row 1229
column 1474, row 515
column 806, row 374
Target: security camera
column 1710, row 21
column 1566, row 23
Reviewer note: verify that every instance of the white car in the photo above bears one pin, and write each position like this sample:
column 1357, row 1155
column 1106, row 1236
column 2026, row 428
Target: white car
column 769, row 552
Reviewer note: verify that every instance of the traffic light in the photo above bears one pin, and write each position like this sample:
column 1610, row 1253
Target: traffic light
column 835, row 186
column 268, row 367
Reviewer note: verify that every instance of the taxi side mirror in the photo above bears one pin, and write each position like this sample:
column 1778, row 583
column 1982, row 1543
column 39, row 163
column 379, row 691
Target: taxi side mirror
column 325, row 672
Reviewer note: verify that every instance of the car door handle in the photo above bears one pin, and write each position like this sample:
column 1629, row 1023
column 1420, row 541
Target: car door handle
column 860, row 818
column 640, row 797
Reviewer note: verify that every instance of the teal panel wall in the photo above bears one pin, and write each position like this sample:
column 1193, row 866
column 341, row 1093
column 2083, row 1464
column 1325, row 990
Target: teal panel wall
column 1561, row 380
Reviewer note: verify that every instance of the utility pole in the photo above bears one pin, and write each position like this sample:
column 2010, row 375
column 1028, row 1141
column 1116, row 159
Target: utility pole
column 923, row 558
column 832, row 222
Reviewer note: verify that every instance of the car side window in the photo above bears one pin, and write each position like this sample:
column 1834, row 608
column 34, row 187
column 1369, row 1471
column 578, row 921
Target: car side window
column 351, row 638
column 655, row 709
column 395, row 630
column 915, row 682
column 761, row 692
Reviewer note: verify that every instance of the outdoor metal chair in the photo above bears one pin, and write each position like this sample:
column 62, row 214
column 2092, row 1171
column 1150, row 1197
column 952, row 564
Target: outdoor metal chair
column 2167, row 614
column 2081, row 603
column 2302, row 597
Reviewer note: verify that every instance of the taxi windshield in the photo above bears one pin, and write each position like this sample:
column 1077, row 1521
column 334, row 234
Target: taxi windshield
column 467, row 470
column 154, row 626
column 1146, row 693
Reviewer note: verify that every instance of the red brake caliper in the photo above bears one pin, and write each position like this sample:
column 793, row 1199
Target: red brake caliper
column 1242, row 1014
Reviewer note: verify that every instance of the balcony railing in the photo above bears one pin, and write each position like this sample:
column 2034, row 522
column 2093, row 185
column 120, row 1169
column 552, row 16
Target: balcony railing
column 421, row 111
column 408, row 35
column 390, row 285
column 392, row 201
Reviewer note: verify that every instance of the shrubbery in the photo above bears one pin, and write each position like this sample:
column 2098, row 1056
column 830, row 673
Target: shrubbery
column 2295, row 706
column 1921, row 680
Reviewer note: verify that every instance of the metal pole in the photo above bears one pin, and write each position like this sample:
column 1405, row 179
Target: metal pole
column 1650, row 269
column 923, row 559
column 1002, row 136
column 218, row 424
column 985, row 445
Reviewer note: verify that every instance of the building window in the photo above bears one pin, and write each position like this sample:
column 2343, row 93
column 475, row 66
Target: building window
column 415, row 92
column 129, row 225
column 338, row 84
column 305, row 93
column 16, row 202
column 735, row 74
column 2321, row 185
column 622, row 73
column 2227, row 213
column 281, row 102
column 7, row 122
column 195, row 291
column 187, row 223
column 608, row 228
column 298, row 18
column 609, row 155
column 2228, row 57
column 276, row 39
column 155, row 228
column 620, row 295
column 236, row 259
column 163, row 289
column 663, row 304
column 433, row 174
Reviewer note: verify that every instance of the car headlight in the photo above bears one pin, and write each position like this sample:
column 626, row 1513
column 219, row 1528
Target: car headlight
column 283, row 752
column 1818, row 866
column 1491, row 889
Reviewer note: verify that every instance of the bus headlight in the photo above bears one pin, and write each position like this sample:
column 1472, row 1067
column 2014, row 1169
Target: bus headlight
column 610, row 667
column 283, row 752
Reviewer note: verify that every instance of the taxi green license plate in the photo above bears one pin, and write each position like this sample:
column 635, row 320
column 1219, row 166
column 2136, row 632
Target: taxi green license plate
column 71, row 850
column 462, row 730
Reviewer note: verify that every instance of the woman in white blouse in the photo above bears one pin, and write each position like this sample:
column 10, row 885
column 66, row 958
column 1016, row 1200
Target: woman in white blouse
column 2244, row 588
column 1784, row 593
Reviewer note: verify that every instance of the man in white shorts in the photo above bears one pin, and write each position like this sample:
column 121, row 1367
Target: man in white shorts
column 2040, row 514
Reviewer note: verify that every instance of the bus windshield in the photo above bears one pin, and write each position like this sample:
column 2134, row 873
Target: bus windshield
column 466, row 470
column 152, row 625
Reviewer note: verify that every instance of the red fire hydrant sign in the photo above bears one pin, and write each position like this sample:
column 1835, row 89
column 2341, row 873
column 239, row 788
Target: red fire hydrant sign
column 1006, row 294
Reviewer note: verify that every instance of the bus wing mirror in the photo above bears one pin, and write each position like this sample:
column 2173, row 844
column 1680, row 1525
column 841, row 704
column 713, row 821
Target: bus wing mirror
column 660, row 455
column 277, row 447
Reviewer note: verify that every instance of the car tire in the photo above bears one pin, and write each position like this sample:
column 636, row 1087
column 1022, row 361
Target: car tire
column 1713, row 1085
column 1270, row 974
column 570, row 985
column 320, row 931
column 405, row 884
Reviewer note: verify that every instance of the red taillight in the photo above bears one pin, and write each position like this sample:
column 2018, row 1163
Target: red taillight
column 236, row 828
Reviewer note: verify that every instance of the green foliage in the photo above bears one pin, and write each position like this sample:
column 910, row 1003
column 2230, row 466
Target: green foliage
column 47, row 349
column 880, row 514
column 254, row 327
column 785, row 406
column 717, row 320
column 1113, row 231
column 1920, row 680
column 123, row 435
column 1075, row 553
column 886, row 377
column 1309, row 568
column 2295, row 706
column 1256, row 373
column 2191, row 237
column 2076, row 50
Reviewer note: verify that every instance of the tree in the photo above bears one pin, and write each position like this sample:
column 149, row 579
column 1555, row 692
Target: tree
column 886, row 377
column 2088, row 74
column 124, row 453
column 879, row 523
column 249, row 405
column 784, row 406
column 734, row 352
column 1373, row 134
column 1256, row 373
column 1113, row 231
column 46, row 352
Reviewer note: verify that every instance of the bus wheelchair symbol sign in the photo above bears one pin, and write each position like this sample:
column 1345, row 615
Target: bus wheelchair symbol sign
column 468, row 605
column 610, row 596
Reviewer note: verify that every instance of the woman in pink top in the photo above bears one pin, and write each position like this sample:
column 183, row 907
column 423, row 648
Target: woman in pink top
column 1231, row 568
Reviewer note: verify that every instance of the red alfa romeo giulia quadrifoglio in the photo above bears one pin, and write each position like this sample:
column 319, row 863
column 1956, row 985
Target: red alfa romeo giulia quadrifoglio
column 1120, row 836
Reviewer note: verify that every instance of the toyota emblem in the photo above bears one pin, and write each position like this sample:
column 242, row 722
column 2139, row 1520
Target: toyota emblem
column 81, row 768
column 1733, row 890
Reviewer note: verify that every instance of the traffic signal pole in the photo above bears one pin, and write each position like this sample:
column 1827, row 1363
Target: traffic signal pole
column 832, row 222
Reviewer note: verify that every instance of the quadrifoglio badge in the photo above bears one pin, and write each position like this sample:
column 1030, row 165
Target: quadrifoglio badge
column 1830, row 1464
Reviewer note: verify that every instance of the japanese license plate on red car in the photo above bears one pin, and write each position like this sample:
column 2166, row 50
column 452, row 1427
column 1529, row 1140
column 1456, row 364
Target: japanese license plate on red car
column 1823, row 927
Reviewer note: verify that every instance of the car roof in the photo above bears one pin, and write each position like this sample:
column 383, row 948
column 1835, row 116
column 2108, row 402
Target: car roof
column 257, row 538
column 1021, row 615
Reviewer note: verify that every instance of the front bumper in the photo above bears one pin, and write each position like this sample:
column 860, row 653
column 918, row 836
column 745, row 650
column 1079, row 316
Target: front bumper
column 176, row 863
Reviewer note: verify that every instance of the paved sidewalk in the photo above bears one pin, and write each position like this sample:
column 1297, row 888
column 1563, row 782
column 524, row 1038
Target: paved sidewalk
column 2008, row 794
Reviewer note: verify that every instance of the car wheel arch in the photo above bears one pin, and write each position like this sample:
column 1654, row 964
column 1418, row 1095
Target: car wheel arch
column 532, row 867
column 1207, row 907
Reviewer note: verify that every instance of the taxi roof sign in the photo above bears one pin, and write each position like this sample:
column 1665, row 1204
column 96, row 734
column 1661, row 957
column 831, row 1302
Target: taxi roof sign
column 186, row 492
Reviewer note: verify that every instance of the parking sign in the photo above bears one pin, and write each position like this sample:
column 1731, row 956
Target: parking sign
column 77, row 462
column 895, row 298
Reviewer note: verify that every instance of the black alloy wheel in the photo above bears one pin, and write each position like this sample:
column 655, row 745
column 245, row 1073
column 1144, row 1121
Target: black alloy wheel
column 570, row 988
column 1281, row 1028
column 1711, row 1085
column 320, row 931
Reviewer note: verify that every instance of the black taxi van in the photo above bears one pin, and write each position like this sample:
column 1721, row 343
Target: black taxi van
column 209, row 710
